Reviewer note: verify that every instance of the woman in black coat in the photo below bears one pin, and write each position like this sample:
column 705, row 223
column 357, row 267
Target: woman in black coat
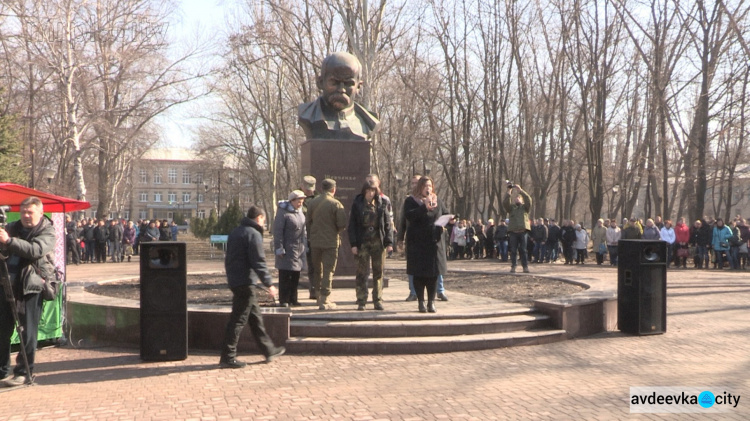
column 425, row 243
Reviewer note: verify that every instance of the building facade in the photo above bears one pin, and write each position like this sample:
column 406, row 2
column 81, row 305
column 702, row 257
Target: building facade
column 169, row 181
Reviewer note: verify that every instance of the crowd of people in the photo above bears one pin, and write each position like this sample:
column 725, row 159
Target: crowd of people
column 116, row 240
column 707, row 243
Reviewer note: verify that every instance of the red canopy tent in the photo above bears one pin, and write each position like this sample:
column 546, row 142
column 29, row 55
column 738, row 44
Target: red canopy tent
column 13, row 194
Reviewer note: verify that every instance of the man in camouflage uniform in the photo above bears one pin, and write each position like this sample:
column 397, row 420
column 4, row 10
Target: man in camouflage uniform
column 371, row 235
column 326, row 218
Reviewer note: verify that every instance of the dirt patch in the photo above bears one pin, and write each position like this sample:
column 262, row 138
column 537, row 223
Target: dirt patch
column 212, row 289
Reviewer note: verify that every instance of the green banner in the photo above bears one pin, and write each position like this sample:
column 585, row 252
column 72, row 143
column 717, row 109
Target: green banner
column 50, row 325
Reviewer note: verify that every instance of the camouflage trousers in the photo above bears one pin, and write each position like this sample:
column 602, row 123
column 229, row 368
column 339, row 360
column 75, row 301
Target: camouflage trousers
column 370, row 253
column 324, row 262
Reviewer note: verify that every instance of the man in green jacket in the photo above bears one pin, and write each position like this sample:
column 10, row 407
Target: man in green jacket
column 518, row 204
column 326, row 218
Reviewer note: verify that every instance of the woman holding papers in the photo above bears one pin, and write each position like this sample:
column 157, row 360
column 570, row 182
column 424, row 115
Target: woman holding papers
column 425, row 245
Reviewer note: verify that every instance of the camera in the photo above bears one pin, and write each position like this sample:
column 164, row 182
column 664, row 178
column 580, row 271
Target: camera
column 3, row 217
column 509, row 184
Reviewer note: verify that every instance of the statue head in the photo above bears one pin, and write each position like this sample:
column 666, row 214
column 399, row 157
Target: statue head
column 340, row 80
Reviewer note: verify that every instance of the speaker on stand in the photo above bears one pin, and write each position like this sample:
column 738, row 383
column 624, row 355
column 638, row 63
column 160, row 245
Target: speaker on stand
column 164, row 315
column 642, row 286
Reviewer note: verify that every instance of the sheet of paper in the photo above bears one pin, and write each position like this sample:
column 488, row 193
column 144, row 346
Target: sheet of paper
column 443, row 220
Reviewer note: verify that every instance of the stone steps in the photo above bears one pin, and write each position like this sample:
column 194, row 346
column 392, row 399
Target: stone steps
column 374, row 332
column 423, row 344
column 397, row 328
column 199, row 248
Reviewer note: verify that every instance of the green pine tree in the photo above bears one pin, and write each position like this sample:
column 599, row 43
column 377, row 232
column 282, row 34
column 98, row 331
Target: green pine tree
column 230, row 219
column 11, row 157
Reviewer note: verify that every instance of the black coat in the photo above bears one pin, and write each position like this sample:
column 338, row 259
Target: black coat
column 425, row 243
column 245, row 261
column 356, row 230
column 568, row 234
column 554, row 234
column 705, row 235
column 101, row 233
column 501, row 233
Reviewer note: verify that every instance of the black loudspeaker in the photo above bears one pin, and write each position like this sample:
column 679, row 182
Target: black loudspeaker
column 164, row 333
column 642, row 286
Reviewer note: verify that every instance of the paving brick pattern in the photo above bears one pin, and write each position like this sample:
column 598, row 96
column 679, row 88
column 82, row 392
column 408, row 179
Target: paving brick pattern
column 706, row 344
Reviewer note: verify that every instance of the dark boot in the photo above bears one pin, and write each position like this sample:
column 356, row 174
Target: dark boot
column 431, row 307
column 422, row 308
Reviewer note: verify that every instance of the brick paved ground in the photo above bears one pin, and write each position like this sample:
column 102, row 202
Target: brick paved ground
column 706, row 345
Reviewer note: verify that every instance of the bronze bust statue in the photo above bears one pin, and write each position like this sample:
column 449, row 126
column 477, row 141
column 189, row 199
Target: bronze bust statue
column 334, row 114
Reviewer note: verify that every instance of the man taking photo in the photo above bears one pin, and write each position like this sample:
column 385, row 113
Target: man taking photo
column 24, row 245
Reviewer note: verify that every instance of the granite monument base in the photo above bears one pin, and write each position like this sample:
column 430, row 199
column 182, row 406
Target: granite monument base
column 347, row 162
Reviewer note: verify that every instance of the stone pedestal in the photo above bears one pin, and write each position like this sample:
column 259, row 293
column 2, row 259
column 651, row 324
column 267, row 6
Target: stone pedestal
column 347, row 162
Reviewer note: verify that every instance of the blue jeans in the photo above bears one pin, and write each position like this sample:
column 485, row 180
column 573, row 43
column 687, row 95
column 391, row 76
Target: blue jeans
column 703, row 257
column 502, row 250
column 518, row 243
column 734, row 257
column 552, row 251
column 719, row 256
column 612, row 255
column 540, row 250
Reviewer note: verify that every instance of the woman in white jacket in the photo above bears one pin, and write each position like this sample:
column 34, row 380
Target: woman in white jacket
column 581, row 244
column 668, row 235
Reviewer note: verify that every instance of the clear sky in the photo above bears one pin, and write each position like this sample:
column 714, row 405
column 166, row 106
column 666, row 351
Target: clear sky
column 193, row 19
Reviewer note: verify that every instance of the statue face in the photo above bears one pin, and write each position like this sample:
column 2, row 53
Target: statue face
column 340, row 83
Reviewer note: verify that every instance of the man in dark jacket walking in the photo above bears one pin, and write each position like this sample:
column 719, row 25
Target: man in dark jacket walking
column 245, row 263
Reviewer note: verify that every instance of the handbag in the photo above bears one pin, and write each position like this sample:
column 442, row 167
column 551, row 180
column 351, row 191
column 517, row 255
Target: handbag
column 602, row 248
column 683, row 252
column 743, row 248
column 50, row 287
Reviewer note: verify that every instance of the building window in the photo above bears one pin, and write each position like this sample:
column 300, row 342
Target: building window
column 143, row 175
column 126, row 215
column 202, row 214
column 172, row 197
column 186, row 197
column 172, row 175
column 200, row 197
column 185, row 176
column 157, row 177
column 142, row 214
column 199, row 178
column 157, row 197
column 144, row 196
